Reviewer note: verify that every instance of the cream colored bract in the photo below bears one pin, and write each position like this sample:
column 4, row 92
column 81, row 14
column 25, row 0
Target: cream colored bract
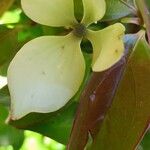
column 47, row 72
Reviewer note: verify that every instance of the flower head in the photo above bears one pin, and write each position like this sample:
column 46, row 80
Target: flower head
column 47, row 72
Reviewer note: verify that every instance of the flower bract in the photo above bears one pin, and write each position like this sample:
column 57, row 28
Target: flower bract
column 48, row 71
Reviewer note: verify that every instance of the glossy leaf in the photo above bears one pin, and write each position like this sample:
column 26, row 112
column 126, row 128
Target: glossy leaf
column 128, row 118
column 98, row 82
column 96, row 99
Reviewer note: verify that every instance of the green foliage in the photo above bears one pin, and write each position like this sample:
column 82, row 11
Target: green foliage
column 4, row 96
column 7, row 51
column 54, row 125
column 145, row 144
column 38, row 142
column 148, row 3
column 8, row 134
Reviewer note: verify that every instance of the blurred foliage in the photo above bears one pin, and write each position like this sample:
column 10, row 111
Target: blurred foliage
column 36, row 141
column 5, row 5
column 8, row 134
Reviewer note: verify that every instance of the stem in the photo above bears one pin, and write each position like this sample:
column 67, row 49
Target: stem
column 145, row 15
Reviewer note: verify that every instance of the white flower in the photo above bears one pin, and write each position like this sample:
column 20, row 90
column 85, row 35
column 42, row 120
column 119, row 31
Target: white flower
column 47, row 72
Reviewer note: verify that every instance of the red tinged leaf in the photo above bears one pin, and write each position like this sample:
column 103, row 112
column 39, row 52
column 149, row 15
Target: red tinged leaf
column 100, row 85
column 96, row 100
column 128, row 118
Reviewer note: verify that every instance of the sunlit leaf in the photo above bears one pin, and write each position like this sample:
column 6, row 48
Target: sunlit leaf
column 10, row 17
column 5, row 5
column 39, row 142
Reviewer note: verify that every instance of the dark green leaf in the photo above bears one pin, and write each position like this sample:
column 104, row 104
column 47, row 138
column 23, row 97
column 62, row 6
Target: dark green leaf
column 78, row 9
column 145, row 144
column 4, row 97
column 55, row 125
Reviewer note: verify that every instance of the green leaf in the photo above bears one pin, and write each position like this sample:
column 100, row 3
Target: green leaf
column 8, row 134
column 116, row 10
column 78, row 9
column 4, row 96
column 55, row 125
column 128, row 118
column 145, row 144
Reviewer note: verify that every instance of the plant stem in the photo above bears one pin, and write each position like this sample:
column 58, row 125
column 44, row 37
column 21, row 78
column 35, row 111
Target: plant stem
column 145, row 15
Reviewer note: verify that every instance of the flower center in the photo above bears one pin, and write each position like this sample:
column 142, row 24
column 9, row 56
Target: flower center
column 79, row 30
